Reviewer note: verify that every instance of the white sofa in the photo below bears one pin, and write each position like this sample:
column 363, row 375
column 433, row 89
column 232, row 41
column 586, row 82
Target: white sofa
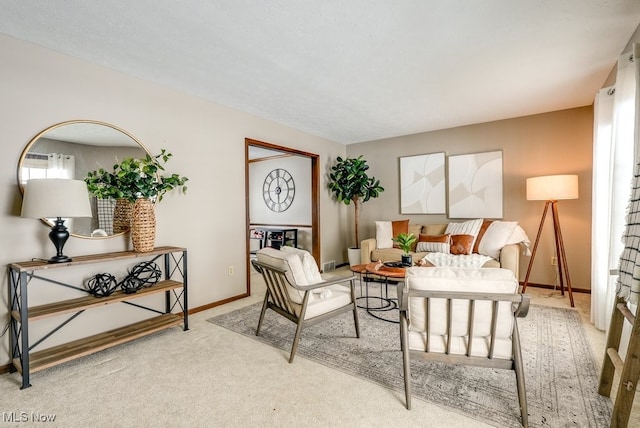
column 504, row 252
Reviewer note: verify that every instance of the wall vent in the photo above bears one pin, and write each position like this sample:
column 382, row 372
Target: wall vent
column 329, row 266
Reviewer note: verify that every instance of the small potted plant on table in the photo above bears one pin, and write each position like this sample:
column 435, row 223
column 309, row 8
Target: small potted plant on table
column 405, row 241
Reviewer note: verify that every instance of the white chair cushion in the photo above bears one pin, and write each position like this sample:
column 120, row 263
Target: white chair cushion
column 309, row 266
column 480, row 347
column 485, row 280
column 340, row 296
column 289, row 262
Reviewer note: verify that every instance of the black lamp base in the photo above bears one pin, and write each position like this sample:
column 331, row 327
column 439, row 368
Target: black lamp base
column 59, row 235
column 59, row 259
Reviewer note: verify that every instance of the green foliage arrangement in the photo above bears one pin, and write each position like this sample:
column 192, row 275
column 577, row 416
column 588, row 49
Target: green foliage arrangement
column 405, row 241
column 349, row 182
column 132, row 179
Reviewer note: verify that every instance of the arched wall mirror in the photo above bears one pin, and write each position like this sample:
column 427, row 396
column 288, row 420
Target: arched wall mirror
column 70, row 150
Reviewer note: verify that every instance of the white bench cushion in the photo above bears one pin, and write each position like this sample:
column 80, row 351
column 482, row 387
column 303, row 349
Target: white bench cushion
column 485, row 280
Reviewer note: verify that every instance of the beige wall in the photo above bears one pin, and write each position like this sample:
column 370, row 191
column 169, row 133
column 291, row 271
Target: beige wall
column 40, row 88
column 545, row 144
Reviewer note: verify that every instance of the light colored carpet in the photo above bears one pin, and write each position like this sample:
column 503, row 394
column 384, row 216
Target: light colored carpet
column 209, row 377
column 561, row 373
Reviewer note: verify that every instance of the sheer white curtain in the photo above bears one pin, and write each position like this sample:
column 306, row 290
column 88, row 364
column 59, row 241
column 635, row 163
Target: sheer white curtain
column 61, row 166
column 614, row 158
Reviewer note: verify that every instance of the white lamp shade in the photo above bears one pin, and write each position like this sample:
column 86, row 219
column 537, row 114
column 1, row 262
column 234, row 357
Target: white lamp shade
column 552, row 187
column 56, row 197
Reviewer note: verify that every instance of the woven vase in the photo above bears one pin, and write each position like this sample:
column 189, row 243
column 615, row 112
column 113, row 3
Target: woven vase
column 143, row 226
column 122, row 216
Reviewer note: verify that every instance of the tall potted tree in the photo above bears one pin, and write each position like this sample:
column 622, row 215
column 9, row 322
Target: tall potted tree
column 349, row 182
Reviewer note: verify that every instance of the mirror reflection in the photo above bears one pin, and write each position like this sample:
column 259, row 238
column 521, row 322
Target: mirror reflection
column 72, row 149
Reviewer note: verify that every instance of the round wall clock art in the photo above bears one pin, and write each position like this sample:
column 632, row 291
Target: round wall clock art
column 278, row 190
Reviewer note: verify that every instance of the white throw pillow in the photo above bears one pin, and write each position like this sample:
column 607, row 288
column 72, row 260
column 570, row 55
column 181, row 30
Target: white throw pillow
column 433, row 247
column 384, row 234
column 471, row 227
column 519, row 236
column 495, row 237
column 309, row 266
column 434, row 244
column 289, row 262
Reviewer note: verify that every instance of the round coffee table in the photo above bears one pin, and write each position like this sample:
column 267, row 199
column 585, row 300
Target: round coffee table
column 362, row 272
column 387, row 303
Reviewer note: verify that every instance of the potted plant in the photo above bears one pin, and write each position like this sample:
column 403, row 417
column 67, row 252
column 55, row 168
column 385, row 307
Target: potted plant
column 405, row 241
column 138, row 182
column 349, row 182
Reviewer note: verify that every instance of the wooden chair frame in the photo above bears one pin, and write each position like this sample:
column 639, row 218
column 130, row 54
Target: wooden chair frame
column 277, row 298
column 520, row 305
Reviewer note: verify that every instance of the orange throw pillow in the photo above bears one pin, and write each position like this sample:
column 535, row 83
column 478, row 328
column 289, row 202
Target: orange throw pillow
column 397, row 227
column 461, row 244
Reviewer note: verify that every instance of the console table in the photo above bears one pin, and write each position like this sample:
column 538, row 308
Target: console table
column 174, row 262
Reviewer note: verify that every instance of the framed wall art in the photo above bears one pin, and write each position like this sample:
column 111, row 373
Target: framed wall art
column 475, row 185
column 422, row 184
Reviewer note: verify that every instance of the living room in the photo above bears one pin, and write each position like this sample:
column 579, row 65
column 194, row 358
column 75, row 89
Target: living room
column 42, row 87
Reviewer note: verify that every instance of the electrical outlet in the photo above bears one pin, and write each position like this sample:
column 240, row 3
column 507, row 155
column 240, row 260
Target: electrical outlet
column 230, row 270
column 554, row 261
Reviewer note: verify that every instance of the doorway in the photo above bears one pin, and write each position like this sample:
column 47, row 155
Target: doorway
column 257, row 151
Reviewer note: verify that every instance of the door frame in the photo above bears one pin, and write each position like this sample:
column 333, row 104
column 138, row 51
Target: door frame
column 315, row 198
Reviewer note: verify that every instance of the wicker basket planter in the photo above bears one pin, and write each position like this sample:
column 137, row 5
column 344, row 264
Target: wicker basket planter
column 143, row 226
column 122, row 215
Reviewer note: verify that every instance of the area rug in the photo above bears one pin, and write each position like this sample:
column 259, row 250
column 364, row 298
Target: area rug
column 560, row 371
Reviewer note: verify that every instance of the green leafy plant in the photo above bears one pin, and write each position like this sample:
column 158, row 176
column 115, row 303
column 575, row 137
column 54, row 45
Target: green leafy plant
column 349, row 182
column 132, row 179
column 405, row 241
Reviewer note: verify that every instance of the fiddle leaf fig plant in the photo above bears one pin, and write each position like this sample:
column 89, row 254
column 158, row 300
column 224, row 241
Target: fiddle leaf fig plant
column 349, row 182
column 405, row 241
column 132, row 179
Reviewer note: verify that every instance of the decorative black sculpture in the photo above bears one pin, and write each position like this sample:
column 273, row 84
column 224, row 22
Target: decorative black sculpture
column 148, row 273
column 130, row 285
column 142, row 275
column 102, row 284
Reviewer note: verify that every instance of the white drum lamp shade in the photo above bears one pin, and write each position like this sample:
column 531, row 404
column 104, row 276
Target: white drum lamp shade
column 48, row 198
column 552, row 187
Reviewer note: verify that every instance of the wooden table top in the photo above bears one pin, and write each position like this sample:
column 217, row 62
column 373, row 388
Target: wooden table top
column 378, row 268
column 359, row 268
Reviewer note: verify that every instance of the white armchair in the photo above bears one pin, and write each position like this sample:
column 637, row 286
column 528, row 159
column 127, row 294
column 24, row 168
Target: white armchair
column 462, row 316
column 296, row 290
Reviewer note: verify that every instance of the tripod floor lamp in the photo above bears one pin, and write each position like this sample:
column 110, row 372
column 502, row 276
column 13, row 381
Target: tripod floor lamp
column 552, row 188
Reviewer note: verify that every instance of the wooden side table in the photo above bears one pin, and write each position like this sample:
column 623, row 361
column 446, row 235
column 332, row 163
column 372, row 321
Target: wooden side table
column 386, row 303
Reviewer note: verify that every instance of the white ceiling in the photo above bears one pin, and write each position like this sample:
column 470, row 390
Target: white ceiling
column 348, row 70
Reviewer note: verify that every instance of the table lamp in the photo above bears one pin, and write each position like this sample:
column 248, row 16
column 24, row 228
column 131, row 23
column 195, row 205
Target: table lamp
column 56, row 198
column 552, row 188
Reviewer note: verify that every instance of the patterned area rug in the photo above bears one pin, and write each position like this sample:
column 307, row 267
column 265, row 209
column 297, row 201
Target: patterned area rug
column 560, row 371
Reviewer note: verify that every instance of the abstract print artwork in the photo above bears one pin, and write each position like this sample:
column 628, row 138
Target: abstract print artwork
column 422, row 184
column 475, row 185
